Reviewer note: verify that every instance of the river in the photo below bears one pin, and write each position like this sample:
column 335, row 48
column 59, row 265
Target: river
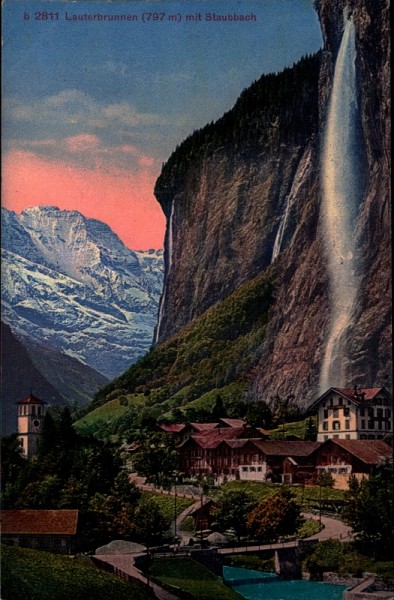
column 255, row 585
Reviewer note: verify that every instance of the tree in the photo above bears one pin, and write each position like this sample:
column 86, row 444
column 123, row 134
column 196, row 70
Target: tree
column 327, row 556
column 12, row 459
column 13, row 464
column 259, row 414
column 370, row 511
column 218, row 410
column 275, row 516
column 232, row 511
column 311, row 430
column 150, row 522
column 157, row 459
column 325, row 479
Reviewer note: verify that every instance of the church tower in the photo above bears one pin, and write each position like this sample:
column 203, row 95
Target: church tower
column 31, row 413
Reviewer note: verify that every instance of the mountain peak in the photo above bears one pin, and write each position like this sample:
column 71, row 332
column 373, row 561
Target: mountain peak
column 70, row 282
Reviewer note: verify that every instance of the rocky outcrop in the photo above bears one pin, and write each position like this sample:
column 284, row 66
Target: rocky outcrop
column 225, row 204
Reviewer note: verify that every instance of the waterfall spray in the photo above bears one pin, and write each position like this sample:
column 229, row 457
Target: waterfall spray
column 168, row 269
column 340, row 195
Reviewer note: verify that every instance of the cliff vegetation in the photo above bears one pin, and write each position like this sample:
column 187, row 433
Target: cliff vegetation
column 215, row 353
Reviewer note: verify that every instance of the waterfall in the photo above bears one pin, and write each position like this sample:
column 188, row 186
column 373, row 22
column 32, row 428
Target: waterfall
column 281, row 230
column 168, row 269
column 341, row 188
column 303, row 167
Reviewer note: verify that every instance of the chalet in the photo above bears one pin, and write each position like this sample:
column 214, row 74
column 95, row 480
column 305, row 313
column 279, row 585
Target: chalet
column 343, row 458
column 219, row 452
column 286, row 461
column 50, row 530
column 203, row 515
column 183, row 430
column 354, row 414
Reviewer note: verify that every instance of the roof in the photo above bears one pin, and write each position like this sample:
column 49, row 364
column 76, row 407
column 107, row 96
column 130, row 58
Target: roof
column 30, row 399
column 204, row 426
column 370, row 452
column 359, row 396
column 172, row 427
column 39, row 522
column 212, row 438
column 287, row 448
column 233, row 422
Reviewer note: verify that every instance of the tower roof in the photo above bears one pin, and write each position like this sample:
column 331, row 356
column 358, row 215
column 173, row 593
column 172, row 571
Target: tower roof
column 30, row 399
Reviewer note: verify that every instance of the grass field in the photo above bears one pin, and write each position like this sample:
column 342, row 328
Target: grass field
column 193, row 578
column 304, row 495
column 167, row 504
column 296, row 428
column 34, row 575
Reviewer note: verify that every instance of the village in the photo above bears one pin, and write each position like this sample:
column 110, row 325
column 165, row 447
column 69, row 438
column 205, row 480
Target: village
column 353, row 428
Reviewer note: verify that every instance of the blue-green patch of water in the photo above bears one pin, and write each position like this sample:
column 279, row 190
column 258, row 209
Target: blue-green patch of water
column 255, row 585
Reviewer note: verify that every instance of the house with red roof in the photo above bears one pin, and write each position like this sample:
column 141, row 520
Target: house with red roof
column 354, row 414
column 219, row 452
column 342, row 458
column 287, row 461
column 50, row 530
column 183, row 430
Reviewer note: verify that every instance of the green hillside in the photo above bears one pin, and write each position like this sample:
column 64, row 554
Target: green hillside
column 34, row 575
column 211, row 356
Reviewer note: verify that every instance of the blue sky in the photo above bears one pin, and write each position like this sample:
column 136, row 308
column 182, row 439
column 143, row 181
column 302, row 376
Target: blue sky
column 119, row 96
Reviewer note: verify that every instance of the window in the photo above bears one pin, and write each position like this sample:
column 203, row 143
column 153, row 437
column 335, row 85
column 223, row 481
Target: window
column 362, row 412
column 387, row 413
column 325, row 425
column 323, row 404
column 380, row 425
column 388, row 425
column 335, row 413
column 336, row 437
column 347, row 424
column 336, row 425
column 346, row 412
column 325, row 413
column 33, row 411
column 363, row 424
column 325, row 437
column 347, row 437
column 371, row 424
column 38, row 411
column 363, row 436
column 380, row 413
column 370, row 412
column 340, row 401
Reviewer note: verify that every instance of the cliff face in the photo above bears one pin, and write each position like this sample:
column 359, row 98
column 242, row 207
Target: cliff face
column 224, row 192
column 225, row 212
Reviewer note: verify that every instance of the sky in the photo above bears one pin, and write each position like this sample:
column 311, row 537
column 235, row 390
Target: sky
column 93, row 107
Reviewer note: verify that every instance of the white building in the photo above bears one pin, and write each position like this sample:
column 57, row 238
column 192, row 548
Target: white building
column 354, row 414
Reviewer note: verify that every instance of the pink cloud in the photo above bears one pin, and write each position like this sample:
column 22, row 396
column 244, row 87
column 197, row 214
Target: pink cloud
column 123, row 200
column 82, row 142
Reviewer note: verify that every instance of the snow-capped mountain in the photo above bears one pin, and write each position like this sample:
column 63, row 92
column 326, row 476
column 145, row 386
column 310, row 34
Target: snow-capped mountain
column 70, row 283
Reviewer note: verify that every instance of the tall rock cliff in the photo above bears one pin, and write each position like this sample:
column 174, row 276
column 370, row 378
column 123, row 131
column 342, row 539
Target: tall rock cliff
column 243, row 196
